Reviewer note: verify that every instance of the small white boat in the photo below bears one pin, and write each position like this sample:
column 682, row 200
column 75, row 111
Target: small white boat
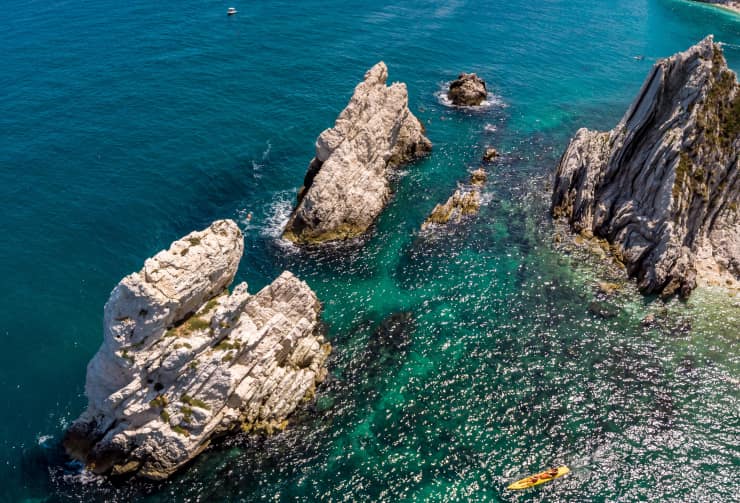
column 231, row 11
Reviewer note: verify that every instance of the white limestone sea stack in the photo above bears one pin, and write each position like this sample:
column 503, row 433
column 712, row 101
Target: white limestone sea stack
column 663, row 187
column 347, row 184
column 184, row 361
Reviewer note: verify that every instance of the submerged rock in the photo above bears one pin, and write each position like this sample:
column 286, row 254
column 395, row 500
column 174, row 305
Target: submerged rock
column 607, row 289
column 468, row 90
column 347, row 184
column 393, row 334
column 663, row 187
column 602, row 309
column 649, row 321
column 386, row 350
column 183, row 360
column 465, row 201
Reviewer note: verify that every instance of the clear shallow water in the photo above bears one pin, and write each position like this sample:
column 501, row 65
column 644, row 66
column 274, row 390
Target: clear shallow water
column 460, row 363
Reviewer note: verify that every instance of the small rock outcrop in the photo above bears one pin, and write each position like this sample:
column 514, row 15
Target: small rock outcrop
column 464, row 202
column 468, row 90
column 183, row 360
column 348, row 182
column 478, row 178
column 663, row 187
column 490, row 154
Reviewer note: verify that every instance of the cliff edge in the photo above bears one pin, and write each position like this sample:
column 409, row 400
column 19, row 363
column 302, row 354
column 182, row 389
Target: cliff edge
column 663, row 186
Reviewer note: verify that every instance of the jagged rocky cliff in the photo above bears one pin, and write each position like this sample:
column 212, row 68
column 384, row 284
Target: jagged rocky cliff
column 183, row 360
column 348, row 182
column 663, row 187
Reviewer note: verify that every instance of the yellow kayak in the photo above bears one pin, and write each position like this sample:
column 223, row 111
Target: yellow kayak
column 540, row 478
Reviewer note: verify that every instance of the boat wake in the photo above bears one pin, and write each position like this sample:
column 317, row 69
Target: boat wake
column 257, row 169
column 266, row 152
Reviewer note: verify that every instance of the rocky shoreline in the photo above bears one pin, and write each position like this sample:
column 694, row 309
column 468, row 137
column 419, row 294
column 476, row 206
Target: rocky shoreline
column 663, row 187
column 184, row 360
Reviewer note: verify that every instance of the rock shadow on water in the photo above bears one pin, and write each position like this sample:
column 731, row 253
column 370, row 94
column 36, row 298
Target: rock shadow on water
column 385, row 353
column 372, row 368
column 347, row 257
column 429, row 254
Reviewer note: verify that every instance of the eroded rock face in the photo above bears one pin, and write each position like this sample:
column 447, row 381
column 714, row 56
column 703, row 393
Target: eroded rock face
column 183, row 360
column 663, row 186
column 468, row 90
column 347, row 184
column 465, row 201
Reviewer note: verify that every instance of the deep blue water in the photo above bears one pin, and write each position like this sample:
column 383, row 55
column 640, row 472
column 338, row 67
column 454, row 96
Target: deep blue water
column 128, row 124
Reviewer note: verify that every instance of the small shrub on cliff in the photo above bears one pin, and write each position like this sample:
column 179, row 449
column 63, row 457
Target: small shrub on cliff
column 209, row 305
column 126, row 356
column 182, row 431
column 196, row 323
column 187, row 414
column 194, row 402
column 159, row 401
column 732, row 126
column 682, row 173
column 225, row 345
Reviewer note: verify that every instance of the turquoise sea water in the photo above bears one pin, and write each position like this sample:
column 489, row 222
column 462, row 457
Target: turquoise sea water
column 460, row 363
